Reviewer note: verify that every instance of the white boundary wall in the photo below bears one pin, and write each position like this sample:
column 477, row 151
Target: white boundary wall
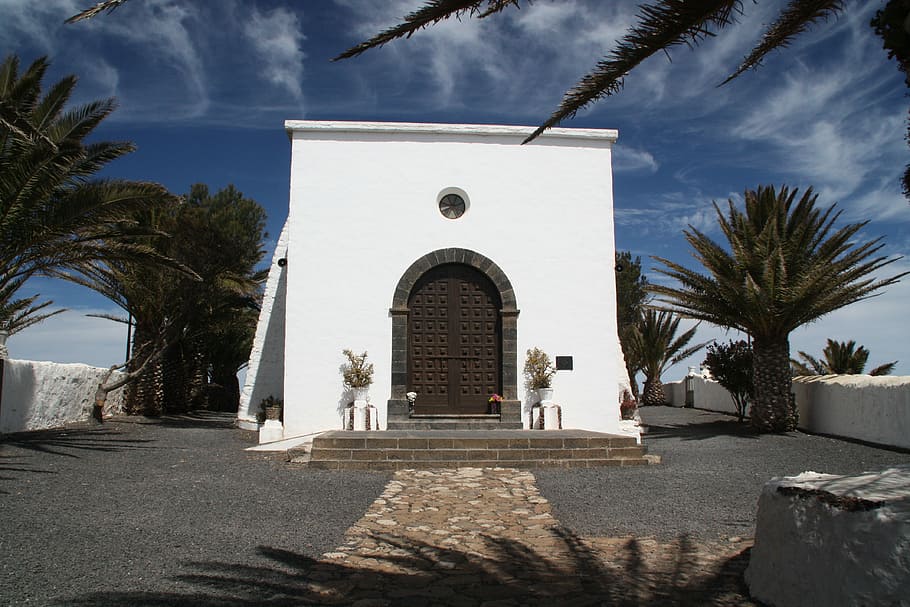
column 41, row 395
column 861, row 407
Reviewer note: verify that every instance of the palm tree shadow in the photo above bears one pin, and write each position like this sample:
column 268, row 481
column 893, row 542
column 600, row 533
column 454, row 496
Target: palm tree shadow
column 702, row 431
column 407, row 571
column 68, row 442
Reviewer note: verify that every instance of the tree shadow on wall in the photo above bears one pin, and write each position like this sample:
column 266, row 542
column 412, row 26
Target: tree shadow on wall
column 409, row 572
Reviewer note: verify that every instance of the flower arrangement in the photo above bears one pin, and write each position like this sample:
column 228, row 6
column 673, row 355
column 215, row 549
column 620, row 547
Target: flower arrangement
column 539, row 369
column 357, row 372
column 495, row 403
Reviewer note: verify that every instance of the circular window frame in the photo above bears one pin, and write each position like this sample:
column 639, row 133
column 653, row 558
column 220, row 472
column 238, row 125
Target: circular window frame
column 456, row 192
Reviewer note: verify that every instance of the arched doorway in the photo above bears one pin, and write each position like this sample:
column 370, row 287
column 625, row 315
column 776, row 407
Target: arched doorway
column 454, row 341
column 489, row 287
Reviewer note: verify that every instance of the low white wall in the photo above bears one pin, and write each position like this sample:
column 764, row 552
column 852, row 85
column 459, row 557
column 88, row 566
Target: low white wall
column 873, row 409
column 708, row 395
column 40, row 395
column 861, row 407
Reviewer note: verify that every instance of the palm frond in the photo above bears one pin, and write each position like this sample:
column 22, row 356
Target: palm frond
column 664, row 24
column 432, row 12
column 19, row 314
column 794, row 20
column 885, row 369
column 100, row 7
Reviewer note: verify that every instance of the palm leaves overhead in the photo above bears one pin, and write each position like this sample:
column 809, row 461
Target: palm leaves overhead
column 52, row 215
column 784, row 264
column 839, row 358
column 661, row 25
column 655, row 346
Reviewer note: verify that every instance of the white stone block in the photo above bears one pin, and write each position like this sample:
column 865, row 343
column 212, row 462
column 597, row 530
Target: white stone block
column 826, row 540
column 271, row 431
column 550, row 417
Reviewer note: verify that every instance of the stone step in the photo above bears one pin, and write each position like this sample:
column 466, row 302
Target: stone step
column 453, row 422
column 397, row 449
column 431, row 464
column 426, row 424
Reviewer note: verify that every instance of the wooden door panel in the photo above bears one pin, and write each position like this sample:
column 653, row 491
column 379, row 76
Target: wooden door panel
column 454, row 348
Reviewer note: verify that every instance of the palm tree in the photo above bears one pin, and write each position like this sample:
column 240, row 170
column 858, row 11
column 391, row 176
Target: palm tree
column 655, row 346
column 191, row 329
column 53, row 215
column 631, row 298
column 785, row 266
column 840, row 358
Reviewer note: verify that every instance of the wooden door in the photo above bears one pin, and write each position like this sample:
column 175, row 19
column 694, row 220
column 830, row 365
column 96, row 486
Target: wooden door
column 454, row 341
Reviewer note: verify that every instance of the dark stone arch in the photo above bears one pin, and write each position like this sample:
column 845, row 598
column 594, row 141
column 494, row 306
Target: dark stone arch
column 398, row 406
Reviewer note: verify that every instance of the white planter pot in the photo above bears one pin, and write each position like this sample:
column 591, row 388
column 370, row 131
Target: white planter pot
column 545, row 395
column 361, row 395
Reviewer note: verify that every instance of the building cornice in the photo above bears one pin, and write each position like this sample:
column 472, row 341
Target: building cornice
column 476, row 130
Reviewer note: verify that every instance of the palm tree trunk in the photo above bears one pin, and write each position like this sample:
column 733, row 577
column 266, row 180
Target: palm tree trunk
column 654, row 392
column 141, row 395
column 773, row 410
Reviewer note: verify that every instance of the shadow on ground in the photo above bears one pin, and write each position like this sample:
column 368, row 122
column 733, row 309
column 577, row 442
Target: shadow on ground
column 192, row 419
column 630, row 573
column 69, row 442
column 701, row 431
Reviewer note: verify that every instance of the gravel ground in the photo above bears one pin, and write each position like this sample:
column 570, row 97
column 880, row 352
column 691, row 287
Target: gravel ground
column 708, row 483
column 169, row 510
column 128, row 505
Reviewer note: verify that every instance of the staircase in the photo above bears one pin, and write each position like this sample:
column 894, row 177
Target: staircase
column 424, row 449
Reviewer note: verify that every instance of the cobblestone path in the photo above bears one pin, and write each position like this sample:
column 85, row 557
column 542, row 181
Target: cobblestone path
column 487, row 537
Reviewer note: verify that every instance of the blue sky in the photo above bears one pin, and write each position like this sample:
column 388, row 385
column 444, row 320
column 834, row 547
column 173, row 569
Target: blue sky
column 204, row 88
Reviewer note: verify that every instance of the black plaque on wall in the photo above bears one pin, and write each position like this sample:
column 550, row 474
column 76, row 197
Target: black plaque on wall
column 563, row 363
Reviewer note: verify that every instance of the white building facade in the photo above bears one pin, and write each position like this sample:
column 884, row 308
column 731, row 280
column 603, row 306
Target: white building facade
column 445, row 252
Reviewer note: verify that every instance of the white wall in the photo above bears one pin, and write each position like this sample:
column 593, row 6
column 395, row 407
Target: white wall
column 873, row 409
column 861, row 407
column 40, row 395
column 265, row 373
column 708, row 394
column 364, row 208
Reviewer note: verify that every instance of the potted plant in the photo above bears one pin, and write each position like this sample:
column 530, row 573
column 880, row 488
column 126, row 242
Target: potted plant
column 271, row 407
column 495, row 404
column 539, row 371
column 357, row 374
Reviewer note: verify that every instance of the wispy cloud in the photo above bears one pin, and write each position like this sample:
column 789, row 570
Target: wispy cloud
column 276, row 37
column 671, row 213
column 171, row 61
column 627, row 159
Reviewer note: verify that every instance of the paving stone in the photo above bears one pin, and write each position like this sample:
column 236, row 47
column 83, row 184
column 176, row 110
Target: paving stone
column 485, row 536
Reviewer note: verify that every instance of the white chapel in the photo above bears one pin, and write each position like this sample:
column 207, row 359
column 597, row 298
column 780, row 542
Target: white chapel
column 445, row 251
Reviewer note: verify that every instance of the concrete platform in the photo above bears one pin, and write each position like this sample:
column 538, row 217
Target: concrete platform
column 427, row 449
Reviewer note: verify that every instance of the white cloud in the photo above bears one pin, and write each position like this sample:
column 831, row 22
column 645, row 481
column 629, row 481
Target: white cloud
column 670, row 214
column 626, row 159
column 276, row 37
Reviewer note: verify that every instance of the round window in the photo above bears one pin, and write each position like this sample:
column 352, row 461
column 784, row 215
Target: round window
column 452, row 206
